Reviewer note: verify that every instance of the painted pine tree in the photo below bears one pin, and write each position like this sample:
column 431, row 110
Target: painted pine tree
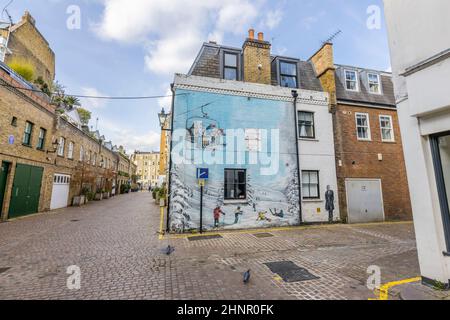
column 292, row 193
column 180, row 220
column 251, row 194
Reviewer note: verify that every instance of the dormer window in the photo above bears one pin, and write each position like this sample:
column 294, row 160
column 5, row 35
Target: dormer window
column 288, row 74
column 230, row 66
column 351, row 80
column 374, row 83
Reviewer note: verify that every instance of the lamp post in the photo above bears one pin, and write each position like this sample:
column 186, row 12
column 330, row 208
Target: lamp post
column 163, row 119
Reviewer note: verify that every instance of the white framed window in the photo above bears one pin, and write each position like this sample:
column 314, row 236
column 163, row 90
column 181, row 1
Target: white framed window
column 387, row 128
column 253, row 140
column 81, row 153
column 363, row 126
column 70, row 152
column 94, row 159
column 374, row 83
column 351, row 80
column 306, row 125
column 310, row 184
column 61, row 146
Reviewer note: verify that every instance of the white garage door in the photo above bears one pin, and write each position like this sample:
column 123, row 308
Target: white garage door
column 60, row 193
column 364, row 200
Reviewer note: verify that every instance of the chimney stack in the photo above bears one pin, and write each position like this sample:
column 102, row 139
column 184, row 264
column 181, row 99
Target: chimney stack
column 256, row 57
column 251, row 34
column 261, row 36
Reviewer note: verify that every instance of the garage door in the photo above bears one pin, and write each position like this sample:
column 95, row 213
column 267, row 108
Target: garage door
column 60, row 191
column 364, row 200
column 26, row 190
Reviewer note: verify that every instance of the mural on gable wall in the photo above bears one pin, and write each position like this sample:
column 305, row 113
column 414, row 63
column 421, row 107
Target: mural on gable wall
column 268, row 200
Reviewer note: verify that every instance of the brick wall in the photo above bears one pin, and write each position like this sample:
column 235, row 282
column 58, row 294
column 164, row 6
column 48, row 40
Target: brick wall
column 257, row 53
column 28, row 45
column 26, row 106
column 359, row 159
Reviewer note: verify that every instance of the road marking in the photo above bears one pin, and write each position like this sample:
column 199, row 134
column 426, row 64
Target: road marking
column 275, row 229
column 384, row 289
column 161, row 224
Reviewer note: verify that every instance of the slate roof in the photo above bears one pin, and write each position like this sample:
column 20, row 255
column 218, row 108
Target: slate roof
column 385, row 99
column 207, row 64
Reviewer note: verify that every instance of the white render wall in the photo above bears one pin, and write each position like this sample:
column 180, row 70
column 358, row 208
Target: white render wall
column 419, row 30
column 319, row 155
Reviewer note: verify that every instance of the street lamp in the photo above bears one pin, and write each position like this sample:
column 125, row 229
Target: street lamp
column 163, row 119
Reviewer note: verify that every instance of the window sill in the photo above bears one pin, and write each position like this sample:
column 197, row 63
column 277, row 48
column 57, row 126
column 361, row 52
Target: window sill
column 27, row 145
column 40, row 149
column 365, row 140
column 309, row 139
column 312, row 200
column 242, row 201
column 391, row 142
column 446, row 254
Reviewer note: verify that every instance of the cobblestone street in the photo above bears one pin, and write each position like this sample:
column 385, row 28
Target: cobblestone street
column 117, row 247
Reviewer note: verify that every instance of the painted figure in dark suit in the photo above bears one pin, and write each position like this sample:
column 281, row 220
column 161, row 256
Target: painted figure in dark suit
column 329, row 203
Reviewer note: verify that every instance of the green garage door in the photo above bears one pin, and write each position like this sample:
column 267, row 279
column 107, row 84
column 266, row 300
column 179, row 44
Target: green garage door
column 26, row 191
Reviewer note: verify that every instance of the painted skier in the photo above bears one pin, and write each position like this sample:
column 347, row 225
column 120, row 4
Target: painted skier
column 262, row 217
column 276, row 213
column 217, row 212
column 237, row 214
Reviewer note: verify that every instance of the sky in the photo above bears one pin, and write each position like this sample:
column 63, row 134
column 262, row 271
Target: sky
column 134, row 47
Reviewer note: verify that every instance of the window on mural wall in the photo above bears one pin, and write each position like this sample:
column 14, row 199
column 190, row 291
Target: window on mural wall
column 387, row 131
column 288, row 74
column 230, row 66
column 235, row 184
column 351, row 80
column 310, row 184
column 253, row 140
column 363, row 126
column 306, row 125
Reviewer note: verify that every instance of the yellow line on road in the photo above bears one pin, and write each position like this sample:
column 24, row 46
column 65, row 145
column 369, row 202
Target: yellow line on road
column 384, row 289
column 276, row 229
column 161, row 224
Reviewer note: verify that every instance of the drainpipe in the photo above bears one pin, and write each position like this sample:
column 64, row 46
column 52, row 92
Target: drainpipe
column 295, row 96
column 169, row 154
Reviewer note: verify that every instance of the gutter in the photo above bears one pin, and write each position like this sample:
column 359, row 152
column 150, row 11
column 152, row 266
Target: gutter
column 295, row 96
column 169, row 180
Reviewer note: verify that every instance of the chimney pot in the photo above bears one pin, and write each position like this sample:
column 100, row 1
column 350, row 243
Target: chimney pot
column 261, row 36
column 251, row 34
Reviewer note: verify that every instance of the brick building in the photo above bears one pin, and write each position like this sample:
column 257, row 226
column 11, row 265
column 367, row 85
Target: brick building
column 371, row 171
column 44, row 157
column 47, row 157
column 148, row 166
column 27, row 45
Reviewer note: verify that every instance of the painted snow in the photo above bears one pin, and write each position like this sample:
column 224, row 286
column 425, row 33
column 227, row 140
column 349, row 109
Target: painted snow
column 214, row 115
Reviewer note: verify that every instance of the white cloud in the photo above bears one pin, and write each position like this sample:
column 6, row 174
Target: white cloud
column 173, row 30
column 273, row 18
column 130, row 139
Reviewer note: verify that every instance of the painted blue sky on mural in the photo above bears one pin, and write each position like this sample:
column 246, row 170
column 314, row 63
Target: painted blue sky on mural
column 134, row 47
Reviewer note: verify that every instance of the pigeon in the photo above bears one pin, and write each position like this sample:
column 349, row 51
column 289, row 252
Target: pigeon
column 170, row 250
column 247, row 277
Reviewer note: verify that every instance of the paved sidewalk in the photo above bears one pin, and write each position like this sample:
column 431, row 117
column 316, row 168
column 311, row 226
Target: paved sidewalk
column 116, row 245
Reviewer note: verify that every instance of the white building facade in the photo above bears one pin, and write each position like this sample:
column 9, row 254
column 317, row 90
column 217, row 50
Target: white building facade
column 419, row 36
